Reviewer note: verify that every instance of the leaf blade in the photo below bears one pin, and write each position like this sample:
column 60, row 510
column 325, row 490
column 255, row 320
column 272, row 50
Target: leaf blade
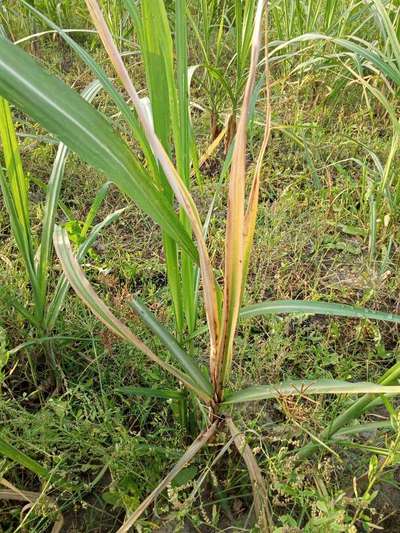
column 305, row 388
column 186, row 361
column 85, row 131
column 259, row 485
column 220, row 364
column 316, row 308
column 10, row 451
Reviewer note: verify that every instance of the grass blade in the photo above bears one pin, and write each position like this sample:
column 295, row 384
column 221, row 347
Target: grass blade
column 18, row 181
column 389, row 29
column 14, row 187
column 22, row 459
column 94, row 208
column 147, row 392
column 18, row 306
column 356, row 429
column 23, row 242
column 375, row 57
column 305, row 388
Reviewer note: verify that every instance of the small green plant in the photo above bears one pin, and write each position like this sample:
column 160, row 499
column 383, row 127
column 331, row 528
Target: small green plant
column 15, row 188
column 154, row 186
column 380, row 470
column 45, row 305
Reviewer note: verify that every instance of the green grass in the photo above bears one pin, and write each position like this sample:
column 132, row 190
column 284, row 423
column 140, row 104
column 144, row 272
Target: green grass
column 312, row 242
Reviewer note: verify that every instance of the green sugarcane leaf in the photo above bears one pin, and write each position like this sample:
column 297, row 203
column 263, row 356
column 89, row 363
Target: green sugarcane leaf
column 284, row 307
column 306, row 388
column 85, row 131
column 123, row 107
column 314, row 308
column 147, row 392
column 186, row 361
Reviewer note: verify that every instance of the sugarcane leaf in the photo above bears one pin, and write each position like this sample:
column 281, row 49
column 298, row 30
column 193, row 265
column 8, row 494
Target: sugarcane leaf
column 221, row 362
column 99, row 72
column 85, row 131
column 186, row 361
column 260, row 487
column 276, row 307
column 306, row 388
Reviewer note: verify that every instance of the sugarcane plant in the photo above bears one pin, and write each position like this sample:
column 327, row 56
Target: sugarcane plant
column 154, row 185
column 15, row 184
column 45, row 303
